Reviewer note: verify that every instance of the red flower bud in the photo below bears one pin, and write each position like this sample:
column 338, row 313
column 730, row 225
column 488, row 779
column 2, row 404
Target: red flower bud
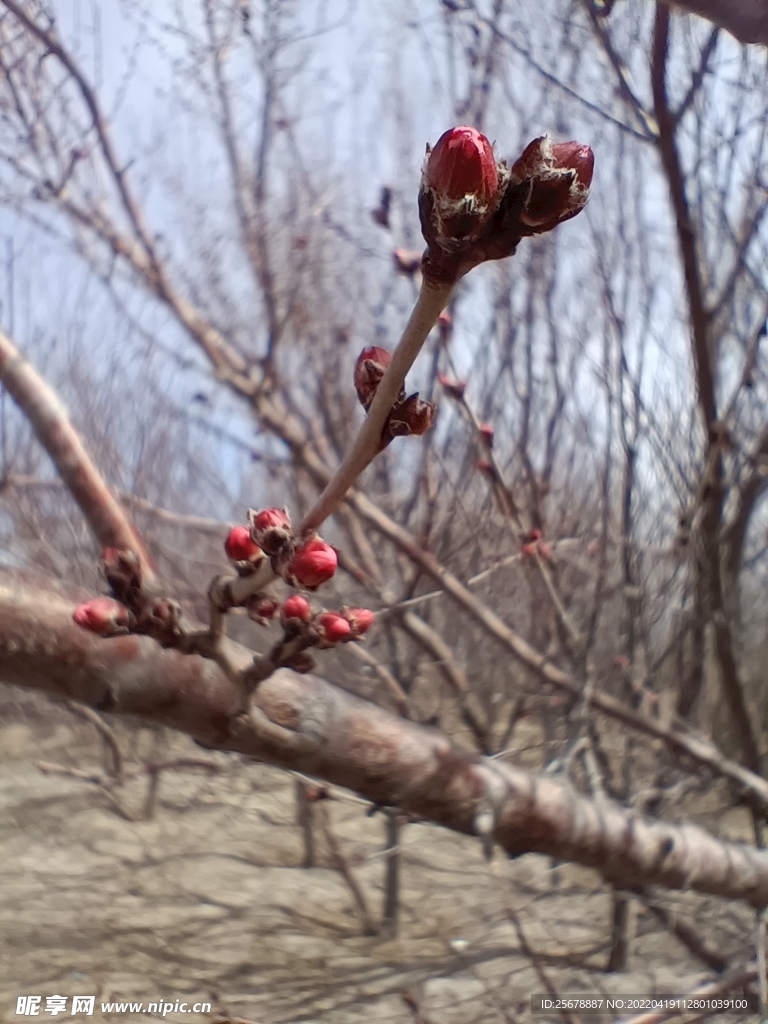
column 462, row 164
column 576, row 157
column 240, row 547
column 271, row 529
column 528, row 550
column 452, row 388
column 272, row 519
column 296, row 607
column 102, row 615
column 559, row 175
column 486, row 466
column 487, row 432
column 333, row 628
column 369, row 369
column 411, row 417
column 533, row 535
column 360, row 619
column 313, row 564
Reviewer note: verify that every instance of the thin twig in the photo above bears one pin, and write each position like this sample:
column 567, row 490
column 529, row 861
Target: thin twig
column 433, row 298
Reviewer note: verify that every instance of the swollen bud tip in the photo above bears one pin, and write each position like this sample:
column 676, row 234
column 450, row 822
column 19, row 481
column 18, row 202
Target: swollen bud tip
column 313, row 564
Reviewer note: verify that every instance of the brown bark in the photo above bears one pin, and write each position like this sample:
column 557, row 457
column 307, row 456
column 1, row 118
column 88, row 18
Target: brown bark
column 306, row 724
column 747, row 20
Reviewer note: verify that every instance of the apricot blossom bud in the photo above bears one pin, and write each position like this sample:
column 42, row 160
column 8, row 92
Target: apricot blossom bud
column 102, row 615
column 360, row 619
column 333, row 628
column 559, row 175
column 270, row 529
column 462, row 164
column 313, row 564
column 410, row 417
column 240, row 547
column 369, row 369
column 296, row 607
column 487, row 433
column 445, row 326
column 407, row 261
column 452, row 388
column 460, row 191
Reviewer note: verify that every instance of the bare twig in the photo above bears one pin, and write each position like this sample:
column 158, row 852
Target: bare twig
column 432, row 300
column 54, row 430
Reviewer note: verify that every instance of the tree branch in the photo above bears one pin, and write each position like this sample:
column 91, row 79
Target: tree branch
column 747, row 20
column 51, row 424
column 306, row 724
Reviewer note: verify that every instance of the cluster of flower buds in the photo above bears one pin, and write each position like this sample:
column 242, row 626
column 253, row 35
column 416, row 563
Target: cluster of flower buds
column 307, row 564
column 330, row 628
column 533, row 543
column 410, row 416
column 474, row 208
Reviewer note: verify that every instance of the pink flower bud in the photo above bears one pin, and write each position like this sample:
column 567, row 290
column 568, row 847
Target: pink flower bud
column 313, row 564
column 240, row 547
column 462, row 164
column 452, row 388
column 369, row 369
column 271, row 529
column 102, row 615
column 360, row 619
column 333, row 628
column 445, row 326
column 296, row 607
column 487, row 432
column 407, row 261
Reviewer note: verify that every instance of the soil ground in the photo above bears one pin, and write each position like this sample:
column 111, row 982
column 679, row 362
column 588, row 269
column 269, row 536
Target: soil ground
column 208, row 901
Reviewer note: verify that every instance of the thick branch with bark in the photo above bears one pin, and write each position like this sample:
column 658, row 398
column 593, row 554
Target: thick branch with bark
column 306, row 724
column 747, row 20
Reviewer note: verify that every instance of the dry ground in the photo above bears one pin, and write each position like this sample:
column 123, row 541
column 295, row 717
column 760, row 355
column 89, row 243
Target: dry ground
column 207, row 900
